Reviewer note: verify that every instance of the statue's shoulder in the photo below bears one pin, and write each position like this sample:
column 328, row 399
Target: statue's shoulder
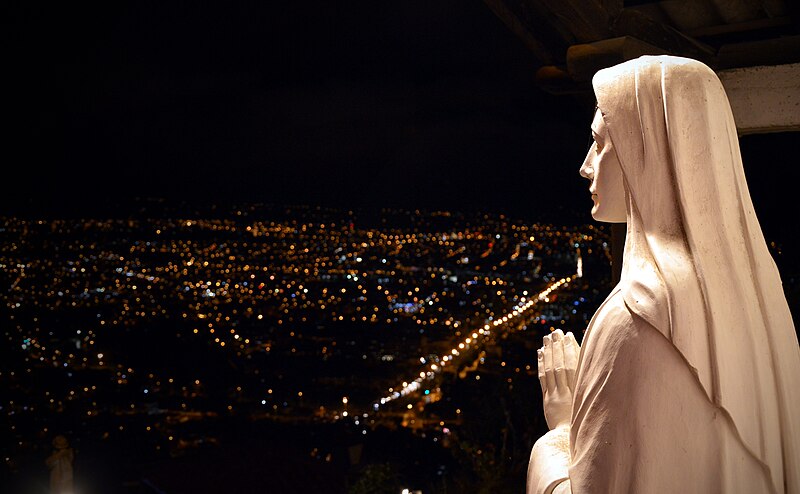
column 617, row 338
column 612, row 310
column 611, row 318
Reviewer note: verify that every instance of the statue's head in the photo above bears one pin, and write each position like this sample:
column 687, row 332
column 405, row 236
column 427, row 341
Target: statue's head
column 666, row 120
column 60, row 442
column 602, row 168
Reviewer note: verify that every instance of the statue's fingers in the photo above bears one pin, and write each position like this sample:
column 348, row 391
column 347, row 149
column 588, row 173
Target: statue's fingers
column 549, row 375
column 571, row 337
column 540, row 362
column 571, row 350
column 571, row 354
column 558, row 359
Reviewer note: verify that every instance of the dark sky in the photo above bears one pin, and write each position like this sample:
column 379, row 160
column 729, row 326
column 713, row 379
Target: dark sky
column 414, row 103
column 417, row 103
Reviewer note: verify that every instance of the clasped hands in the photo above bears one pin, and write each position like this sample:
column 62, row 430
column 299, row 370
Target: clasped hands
column 558, row 362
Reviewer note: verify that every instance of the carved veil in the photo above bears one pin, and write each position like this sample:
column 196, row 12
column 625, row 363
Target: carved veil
column 696, row 264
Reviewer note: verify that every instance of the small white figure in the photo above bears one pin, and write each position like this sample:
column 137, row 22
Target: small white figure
column 60, row 465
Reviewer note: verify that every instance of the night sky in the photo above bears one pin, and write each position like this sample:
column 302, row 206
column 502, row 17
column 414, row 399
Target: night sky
column 417, row 104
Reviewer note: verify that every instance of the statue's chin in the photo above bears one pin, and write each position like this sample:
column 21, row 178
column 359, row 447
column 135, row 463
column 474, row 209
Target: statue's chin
column 608, row 218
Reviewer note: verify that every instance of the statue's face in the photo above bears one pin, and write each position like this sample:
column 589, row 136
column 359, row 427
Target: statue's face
column 602, row 167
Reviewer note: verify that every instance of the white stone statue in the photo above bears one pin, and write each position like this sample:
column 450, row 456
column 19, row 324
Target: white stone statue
column 60, row 465
column 688, row 379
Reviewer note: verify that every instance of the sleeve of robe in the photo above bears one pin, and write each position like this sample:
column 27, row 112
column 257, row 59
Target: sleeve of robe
column 553, row 448
column 641, row 421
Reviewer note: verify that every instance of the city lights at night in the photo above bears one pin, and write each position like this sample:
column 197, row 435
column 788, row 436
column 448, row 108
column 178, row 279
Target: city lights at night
column 315, row 246
column 153, row 333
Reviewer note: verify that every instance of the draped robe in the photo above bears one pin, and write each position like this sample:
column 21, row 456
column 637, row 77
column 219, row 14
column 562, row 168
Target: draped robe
column 689, row 374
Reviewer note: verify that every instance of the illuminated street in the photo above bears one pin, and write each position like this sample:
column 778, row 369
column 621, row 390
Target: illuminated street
column 144, row 333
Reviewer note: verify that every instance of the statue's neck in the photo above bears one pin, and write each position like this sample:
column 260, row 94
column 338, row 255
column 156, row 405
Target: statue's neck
column 657, row 234
column 634, row 241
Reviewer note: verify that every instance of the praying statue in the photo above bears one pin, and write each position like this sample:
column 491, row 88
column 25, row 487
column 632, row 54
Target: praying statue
column 60, row 465
column 688, row 376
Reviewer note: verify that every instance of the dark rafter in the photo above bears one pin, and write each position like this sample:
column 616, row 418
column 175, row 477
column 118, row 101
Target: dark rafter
column 571, row 39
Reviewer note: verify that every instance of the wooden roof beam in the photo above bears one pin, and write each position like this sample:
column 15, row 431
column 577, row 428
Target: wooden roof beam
column 776, row 51
column 640, row 26
column 583, row 61
column 754, row 25
column 522, row 29
column 764, row 99
column 580, row 21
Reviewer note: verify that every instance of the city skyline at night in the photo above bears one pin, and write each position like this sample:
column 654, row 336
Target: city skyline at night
column 150, row 335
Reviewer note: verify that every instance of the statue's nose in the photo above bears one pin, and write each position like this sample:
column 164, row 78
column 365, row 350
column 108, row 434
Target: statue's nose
column 586, row 170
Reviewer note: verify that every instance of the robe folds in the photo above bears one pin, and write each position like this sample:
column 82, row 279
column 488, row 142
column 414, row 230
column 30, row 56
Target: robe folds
column 688, row 378
column 641, row 422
